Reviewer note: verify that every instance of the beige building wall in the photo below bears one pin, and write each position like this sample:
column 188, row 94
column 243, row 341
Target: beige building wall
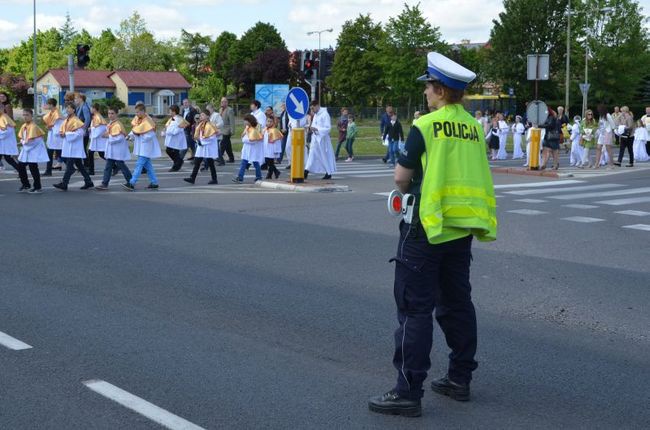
column 121, row 92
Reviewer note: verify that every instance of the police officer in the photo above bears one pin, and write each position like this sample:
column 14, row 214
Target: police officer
column 445, row 167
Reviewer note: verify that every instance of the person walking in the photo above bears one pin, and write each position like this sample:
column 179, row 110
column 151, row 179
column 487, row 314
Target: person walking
column 8, row 143
column 189, row 114
column 175, row 138
column 588, row 130
column 33, row 152
column 575, row 157
column 624, row 129
column 383, row 123
column 645, row 119
column 82, row 112
column 605, row 138
column 502, row 154
column 225, row 146
column 350, row 136
column 145, row 147
column 518, row 132
column 73, row 152
column 283, row 126
column 551, row 142
column 454, row 202
column 395, row 134
column 640, row 139
column 206, row 136
column 117, row 150
column 342, row 126
column 321, row 157
column 97, row 140
column 53, row 121
column 252, row 149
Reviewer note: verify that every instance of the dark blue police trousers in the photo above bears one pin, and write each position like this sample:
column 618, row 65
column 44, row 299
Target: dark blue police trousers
column 432, row 278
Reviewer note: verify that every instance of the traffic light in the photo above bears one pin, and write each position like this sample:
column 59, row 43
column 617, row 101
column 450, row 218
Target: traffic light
column 82, row 55
column 307, row 64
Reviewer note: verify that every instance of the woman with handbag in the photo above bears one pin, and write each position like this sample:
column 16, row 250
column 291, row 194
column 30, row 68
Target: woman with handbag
column 551, row 143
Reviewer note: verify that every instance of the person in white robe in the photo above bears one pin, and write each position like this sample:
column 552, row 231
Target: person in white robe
column 33, row 152
column 252, row 149
column 53, row 121
column 272, row 147
column 639, row 145
column 517, row 135
column 117, row 150
column 503, row 137
column 8, row 143
column 73, row 130
column 575, row 156
column 97, row 140
column 300, row 123
column 175, row 139
column 321, row 156
column 145, row 147
column 206, row 136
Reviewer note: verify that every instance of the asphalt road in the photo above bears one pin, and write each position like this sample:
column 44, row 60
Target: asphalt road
column 233, row 307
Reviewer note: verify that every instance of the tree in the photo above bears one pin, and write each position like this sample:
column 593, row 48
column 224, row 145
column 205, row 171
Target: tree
column 476, row 60
column 271, row 66
column 259, row 38
column 101, row 54
column 67, row 30
column 409, row 37
column 49, row 52
column 15, row 85
column 135, row 47
column 221, row 57
column 527, row 27
column 356, row 72
column 195, row 48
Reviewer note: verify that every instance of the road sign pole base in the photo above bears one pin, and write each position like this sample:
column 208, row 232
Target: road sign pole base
column 297, row 181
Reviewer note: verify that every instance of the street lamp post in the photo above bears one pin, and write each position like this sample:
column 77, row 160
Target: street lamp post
column 319, row 79
column 568, row 61
column 591, row 32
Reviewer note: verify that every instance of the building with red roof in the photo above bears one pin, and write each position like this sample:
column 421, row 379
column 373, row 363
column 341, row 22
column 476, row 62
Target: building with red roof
column 158, row 90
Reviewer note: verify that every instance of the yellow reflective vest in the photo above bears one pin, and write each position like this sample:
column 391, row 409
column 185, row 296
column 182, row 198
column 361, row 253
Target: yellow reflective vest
column 457, row 194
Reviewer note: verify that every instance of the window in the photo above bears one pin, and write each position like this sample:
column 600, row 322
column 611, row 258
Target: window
column 147, row 98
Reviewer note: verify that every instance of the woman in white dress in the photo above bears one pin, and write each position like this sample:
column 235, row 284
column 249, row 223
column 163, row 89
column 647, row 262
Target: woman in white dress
column 252, row 149
column 503, row 137
column 517, row 134
column 639, row 145
column 575, row 157
column 205, row 135
column 604, row 137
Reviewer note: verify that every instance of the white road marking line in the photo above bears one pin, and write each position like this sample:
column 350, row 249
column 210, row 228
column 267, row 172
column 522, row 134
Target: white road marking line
column 642, row 227
column 383, row 194
column 633, row 213
column 12, row 343
column 621, row 202
column 563, row 190
column 584, row 219
column 624, row 192
column 531, row 201
column 377, row 175
column 354, row 172
column 579, row 206
column 538, row 184
column 526, row 212
column 141, row 406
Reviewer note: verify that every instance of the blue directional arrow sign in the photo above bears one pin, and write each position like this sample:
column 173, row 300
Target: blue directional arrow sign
column 297, row 103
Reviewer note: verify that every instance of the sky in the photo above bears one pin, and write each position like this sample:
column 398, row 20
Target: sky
column 457, row 19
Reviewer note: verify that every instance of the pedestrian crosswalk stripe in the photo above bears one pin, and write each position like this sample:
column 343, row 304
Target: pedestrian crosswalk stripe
column 538, row 184
column 563, row 190
column 376, row 175
column 531, row 201
column 621, row 202
column 633, row 213
column 579, row 206
column 584, row 219
column 623, row 192
column 526, row 212
column 643, row 227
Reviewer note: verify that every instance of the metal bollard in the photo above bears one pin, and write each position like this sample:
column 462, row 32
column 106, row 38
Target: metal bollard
column 535, row 138
column 298, row 155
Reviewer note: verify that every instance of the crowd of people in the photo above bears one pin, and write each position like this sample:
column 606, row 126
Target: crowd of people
column 74, row 135
column 579, row 137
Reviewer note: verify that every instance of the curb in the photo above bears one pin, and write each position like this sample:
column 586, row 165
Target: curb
column 303, row 188
column 526, row 172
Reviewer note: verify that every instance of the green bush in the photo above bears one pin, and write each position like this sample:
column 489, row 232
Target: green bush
column 112, row 103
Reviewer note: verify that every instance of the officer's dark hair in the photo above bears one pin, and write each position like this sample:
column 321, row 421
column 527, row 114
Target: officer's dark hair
column 251, row 120
column 175, row 109
column 256, row 103
column 52, row 102
column 451, row 95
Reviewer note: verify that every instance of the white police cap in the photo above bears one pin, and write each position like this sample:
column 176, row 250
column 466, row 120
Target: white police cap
column 447, row 72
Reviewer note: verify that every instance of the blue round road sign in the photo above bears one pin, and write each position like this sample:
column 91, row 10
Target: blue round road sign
column 297, row 103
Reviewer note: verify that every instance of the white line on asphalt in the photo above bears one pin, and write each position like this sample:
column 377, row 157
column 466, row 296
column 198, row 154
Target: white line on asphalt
column 603, row 194
column 642, row 227
column 531, row 201
column 141, row 406
column 579, row 206
column 12, row 342
column 354, row 172
column 526, row 212
column 383, row 194
column 563, row 190
column 585, row 219
column 621, row 202
column 376, row 175
column 538, row 184
column 633, row 213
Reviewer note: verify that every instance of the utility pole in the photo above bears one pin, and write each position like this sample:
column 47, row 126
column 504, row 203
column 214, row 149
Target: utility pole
column 34, row 64
column 319, row 32
column 568, row 61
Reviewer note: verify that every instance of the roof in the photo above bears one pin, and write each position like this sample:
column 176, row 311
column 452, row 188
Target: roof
column 137, row 79
column 83, row 78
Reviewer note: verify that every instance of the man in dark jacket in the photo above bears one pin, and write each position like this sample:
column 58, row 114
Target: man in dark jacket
column 188, row 113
